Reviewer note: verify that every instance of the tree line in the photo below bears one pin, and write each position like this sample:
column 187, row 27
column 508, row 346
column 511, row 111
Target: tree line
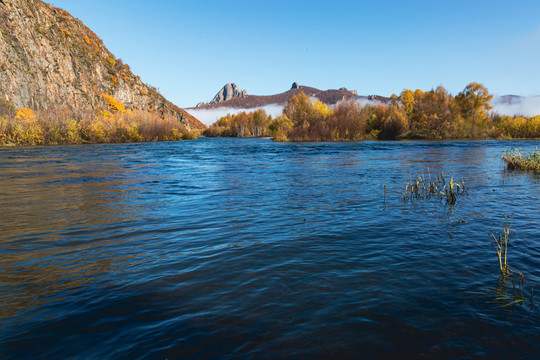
column 434, row 114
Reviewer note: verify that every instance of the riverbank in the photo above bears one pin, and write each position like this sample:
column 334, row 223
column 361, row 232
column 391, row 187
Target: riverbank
column 24, row 127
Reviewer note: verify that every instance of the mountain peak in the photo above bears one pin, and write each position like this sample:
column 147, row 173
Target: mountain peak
column 228, row 92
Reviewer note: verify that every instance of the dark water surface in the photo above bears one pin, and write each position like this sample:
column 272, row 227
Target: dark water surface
column 245, row 248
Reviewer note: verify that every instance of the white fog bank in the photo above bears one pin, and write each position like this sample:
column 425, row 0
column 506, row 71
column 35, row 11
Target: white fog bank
column 526, row 106
column 210, row 116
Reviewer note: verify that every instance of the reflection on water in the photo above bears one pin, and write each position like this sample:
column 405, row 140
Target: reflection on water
column 247, row 248
column 53, row 215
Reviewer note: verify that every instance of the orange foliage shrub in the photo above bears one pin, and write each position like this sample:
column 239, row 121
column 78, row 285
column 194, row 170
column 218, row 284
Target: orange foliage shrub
column 87, row 40
column 66, row 32
column 114, row 105
column 25, row 115
column 350, row 119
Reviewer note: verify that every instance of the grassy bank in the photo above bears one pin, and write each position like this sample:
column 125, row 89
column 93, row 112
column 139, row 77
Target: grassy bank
column 26, row 127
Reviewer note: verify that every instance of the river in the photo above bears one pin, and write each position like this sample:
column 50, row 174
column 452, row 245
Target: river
column 247, row 248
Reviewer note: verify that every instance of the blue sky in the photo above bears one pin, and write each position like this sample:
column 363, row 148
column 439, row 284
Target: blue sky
column 190, row 49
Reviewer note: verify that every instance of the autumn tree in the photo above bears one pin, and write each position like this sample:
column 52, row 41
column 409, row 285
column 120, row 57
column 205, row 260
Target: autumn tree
column 435, row 115
column 394, row 123
column 259, row 122
column 300, row 110
column 474, row 104
column 350, row 119
column 407, row 101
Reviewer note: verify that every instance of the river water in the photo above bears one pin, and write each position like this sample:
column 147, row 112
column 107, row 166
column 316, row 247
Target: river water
column 246, row 248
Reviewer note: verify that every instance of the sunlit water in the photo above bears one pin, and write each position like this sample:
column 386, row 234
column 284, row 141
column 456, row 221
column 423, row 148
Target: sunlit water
column 246, row 248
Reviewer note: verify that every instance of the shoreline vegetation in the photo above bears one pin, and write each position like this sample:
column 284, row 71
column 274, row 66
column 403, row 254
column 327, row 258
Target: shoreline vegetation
column 515, row 161
column 63, row 127
column 418, row 115
column 414, row 115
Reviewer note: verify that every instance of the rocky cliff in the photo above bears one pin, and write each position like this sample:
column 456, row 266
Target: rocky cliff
column 51, row 60
column 228, row 92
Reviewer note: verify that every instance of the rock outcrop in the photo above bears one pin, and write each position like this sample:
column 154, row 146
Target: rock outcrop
column 51, row 60
column 228, row 92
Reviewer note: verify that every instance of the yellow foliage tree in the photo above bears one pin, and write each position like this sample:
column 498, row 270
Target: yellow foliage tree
column 299, row 109
column 407, row 101
column 474, row 103
column 321, row 108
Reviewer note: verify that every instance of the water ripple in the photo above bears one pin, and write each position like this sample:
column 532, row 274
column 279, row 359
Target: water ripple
column 246, row 248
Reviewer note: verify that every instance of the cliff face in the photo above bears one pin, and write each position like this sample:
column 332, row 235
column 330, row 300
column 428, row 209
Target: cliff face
column 228, row 92
column 51, row 60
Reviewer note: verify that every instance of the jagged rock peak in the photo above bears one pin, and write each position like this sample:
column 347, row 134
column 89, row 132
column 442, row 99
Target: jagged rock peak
column 228, row 92
column 295, row 86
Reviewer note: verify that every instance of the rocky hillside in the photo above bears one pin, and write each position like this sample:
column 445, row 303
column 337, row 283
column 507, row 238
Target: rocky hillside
column 51, row 60
column 246, row 101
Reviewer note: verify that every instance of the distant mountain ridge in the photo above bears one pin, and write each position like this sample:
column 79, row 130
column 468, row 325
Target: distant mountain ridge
column 51, row 60
column 512, row 99
column 246, row 101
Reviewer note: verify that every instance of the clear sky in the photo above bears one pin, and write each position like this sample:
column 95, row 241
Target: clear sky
column 190, row 49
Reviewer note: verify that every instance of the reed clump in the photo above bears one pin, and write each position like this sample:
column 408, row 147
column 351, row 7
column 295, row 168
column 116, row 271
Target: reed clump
column 511, row 282
column 424, row 187
column 515, row 161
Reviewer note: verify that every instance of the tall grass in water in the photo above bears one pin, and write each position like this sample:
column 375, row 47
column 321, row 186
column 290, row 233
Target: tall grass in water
column 501, row 246
column 529, row 162
column 423, row 188
column 511, row 282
